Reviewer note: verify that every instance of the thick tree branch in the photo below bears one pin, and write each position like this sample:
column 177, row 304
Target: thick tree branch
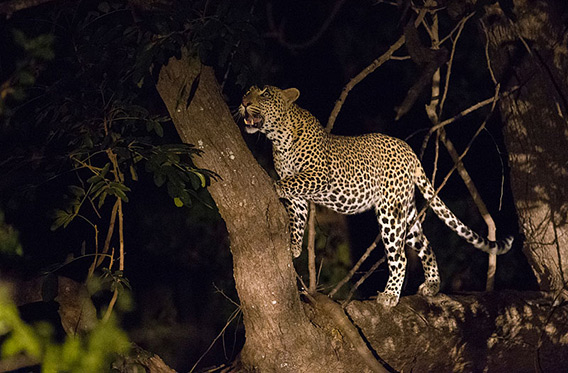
column 496, row 332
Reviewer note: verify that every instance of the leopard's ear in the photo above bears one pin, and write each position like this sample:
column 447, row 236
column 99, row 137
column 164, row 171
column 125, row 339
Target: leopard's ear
column 290, row 95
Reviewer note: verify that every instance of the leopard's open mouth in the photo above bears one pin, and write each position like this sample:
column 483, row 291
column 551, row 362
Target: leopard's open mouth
column 253, row 122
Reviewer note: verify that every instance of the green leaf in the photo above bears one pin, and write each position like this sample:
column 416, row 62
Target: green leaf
column 195, row 180
column 185, row 198
column 62, row 219
column 98, row 188
column 105, row 170
column 93, row 179
column 140, row 82
column 76, row 190
column 202, row 178
column 159, row 179
column 178, row 202
column 126, row 283
column 102, row 198
column 119, row 193
column 120, row 186
column 173, row 158
column 158, row 129
column 173, row 189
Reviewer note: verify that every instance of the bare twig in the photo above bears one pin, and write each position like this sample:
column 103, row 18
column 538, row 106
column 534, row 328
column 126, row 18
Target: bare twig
column 355, row 267
column 461, row 156
column 233, row 316
column 319, row 270
column 361, row 280
column 489, row 67
column 478, row 202
column 429, row 60
column 92, row 267
column 111, row 304
column 312, row 247
column 491, row 229
column 359, row 77
column 461, row 25
column 451, row 149
column 98, row 258
column 120, row 236
column 400, row 58
column 436, row 158
column 278, row 32
column 369, row 69
column 456, row 28
column 120, row 261
column 431, row 108
column 303, row 285
column 462, row 114
column 435, row 92
column 117, row 211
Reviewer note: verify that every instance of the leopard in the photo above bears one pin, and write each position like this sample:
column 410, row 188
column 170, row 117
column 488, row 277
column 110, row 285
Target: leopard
column 350, row 175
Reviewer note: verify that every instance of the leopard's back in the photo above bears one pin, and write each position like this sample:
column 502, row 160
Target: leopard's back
column 361, row 170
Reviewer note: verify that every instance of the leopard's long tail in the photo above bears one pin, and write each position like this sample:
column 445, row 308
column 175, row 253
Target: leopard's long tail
column 455, row 224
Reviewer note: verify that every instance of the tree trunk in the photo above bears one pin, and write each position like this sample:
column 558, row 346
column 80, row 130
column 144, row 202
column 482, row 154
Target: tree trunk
column 279, row 336
column 528, row 48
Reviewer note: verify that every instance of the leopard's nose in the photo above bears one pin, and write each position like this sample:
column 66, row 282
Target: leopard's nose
column 246, row 101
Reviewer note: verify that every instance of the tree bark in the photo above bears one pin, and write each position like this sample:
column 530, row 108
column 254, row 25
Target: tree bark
column 529, row 48
column 279, row 335
column 482, row 332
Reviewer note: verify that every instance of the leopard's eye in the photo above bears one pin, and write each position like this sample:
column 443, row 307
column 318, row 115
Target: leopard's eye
column 264, row 94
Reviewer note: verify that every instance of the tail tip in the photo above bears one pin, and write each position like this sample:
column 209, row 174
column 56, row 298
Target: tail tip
column 507, row 244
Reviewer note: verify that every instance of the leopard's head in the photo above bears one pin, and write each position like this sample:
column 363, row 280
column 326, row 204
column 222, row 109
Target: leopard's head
column 265, row 109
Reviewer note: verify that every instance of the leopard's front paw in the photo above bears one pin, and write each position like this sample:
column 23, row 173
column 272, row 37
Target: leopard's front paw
column 387, row 300
column 296, row 250
column 429, row 288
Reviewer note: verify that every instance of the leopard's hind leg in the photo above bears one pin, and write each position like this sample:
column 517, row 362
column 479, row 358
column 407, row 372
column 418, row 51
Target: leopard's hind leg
column 392, row 219
column 417, row 241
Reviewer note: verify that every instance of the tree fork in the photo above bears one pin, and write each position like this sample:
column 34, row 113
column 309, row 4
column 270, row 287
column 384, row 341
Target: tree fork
column 279, row 335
